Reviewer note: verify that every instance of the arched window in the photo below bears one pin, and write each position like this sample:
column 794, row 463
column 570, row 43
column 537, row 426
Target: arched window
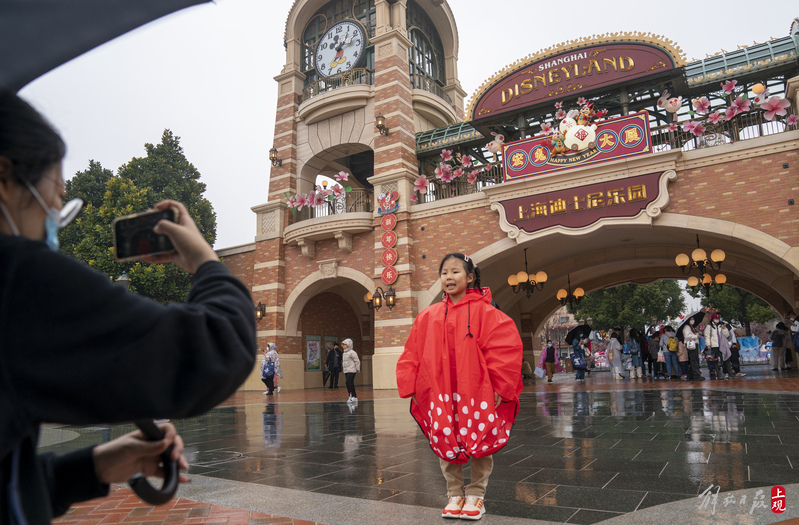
column 426, row 57
column 361, row 10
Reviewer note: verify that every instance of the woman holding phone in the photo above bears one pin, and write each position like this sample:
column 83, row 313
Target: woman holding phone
column 101, row 354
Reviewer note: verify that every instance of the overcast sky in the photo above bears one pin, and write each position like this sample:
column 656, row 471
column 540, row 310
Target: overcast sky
column 207, row 74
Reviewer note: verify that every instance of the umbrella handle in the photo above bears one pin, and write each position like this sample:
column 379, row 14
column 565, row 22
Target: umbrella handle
column 139, row 483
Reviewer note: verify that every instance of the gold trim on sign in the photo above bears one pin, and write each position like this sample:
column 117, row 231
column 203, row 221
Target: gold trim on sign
column 633, row 37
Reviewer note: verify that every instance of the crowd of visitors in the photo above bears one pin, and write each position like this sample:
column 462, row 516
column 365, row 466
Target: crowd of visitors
column 674, row 354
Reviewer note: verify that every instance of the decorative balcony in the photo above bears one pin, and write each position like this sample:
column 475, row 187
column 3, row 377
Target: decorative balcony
column 354, row 77
column 339, row 219
column 426, row 84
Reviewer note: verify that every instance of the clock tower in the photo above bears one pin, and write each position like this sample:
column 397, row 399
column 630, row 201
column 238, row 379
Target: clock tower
column 348, row 62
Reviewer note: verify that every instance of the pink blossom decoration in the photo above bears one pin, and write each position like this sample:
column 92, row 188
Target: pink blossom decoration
column 701, row 105
column 457, row 173
column 715, row 117
column 467, row 161
column 792, row 120
column 581, row 101
column 775, row 106
column 698, row 130
column 414, row 198
column 447, row 175
column 318, row 199
column 546, row 128
column 558, row 105
column 741, row 105
column 339, row 190
column 302, row 200
column 730, row 113
column 689, row 126
column 673, row 127
column 443, row 170
column 560, row 114
column 292, row 201
column 729, row 86
column 472, row 176
column 446, row 154
column 421, row 184
column 341, row 175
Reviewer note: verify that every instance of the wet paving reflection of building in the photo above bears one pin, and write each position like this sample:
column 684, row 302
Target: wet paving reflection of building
column 581, row 456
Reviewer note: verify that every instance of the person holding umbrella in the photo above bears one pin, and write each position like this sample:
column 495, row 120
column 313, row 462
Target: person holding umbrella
column 689, row 335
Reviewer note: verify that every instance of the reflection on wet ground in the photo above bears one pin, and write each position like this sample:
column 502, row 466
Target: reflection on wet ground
column 581, row 455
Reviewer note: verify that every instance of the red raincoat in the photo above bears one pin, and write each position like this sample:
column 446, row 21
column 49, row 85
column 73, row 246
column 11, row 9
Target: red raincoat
column 454, row 376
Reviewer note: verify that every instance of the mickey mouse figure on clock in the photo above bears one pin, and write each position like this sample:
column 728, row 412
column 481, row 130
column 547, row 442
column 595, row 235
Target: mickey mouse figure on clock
column 340, row 48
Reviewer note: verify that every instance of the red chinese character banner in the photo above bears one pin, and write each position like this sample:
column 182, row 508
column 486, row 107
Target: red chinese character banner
column 388, row 240
column 616, row 138
column 582, row 206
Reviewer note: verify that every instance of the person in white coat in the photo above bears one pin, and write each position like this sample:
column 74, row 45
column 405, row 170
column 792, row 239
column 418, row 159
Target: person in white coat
column 614, row 350
column 351, row 365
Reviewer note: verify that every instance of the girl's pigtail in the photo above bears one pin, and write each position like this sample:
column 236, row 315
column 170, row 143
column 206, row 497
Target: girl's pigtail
column 476, row 283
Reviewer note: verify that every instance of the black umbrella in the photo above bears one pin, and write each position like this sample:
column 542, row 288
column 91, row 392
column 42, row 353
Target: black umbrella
column 578, row 331
column 39, row 35
column 696, row 316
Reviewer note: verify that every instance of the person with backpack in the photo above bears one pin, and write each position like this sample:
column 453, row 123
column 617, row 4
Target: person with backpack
column 270, row 366
column 778, row 337
column 668, row 344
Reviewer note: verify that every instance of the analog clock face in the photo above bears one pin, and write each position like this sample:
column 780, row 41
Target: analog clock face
column 340, row 48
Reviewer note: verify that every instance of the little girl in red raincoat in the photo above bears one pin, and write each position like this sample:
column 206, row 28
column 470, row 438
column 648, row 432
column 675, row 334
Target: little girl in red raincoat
column 461, row 365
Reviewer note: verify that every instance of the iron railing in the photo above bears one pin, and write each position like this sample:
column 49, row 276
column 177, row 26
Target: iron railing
column 427, row 84
column 353, row 77
column 745, row 126
column 357, row 200
column 438, row 190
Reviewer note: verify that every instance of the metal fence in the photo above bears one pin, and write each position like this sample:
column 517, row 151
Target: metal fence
column 353, row 77
column 742, row 127
column 438, row 190
column 426, row 84
column 357, row 200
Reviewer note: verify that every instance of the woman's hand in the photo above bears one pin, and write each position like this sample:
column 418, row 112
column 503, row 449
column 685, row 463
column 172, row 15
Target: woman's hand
column 191, row 249
column 122, row 458
column 497, row 400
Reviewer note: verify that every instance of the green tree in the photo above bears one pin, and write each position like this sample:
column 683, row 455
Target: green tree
column 632, row 305
column 737, row 305
column 164, row 173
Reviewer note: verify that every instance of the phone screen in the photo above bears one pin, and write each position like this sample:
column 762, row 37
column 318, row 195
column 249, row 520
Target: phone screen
column 134, row 236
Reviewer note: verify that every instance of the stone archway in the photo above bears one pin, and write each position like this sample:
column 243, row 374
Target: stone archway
column 617, row 253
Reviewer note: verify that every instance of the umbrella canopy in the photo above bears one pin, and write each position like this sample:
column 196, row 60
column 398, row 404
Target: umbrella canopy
column 39, row 35
column 696, row 316
column 580, row 331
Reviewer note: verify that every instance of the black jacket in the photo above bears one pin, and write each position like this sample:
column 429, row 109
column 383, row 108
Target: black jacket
column 76, row 349
column 333, row 360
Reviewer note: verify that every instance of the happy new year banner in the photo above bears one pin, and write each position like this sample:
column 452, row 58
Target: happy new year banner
column 616, row 138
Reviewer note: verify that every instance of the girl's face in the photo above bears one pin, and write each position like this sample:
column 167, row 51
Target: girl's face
column 454, row 279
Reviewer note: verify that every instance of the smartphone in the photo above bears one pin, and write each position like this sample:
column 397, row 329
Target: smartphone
column 134, row 236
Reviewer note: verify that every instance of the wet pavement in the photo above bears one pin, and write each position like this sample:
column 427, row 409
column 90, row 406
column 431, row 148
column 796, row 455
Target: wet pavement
column 628, row 451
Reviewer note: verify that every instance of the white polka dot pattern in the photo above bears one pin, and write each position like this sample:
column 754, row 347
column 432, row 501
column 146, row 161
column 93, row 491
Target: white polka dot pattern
column 477, row 428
